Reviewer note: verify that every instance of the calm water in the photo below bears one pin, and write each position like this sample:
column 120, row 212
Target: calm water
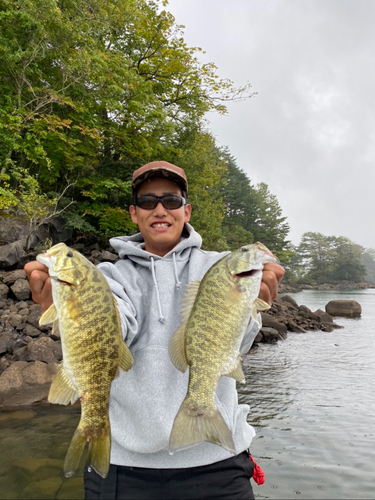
column 312, row 404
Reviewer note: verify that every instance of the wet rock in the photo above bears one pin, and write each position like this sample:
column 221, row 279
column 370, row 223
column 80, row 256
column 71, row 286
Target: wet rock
column 348, row 308
column 323, row 316
column 21, row 289
column 72, row 488
column 294, row 327
column 258, row 338
column 270, row 335
column 11, row 380
column 269, row 321
column 25, row 383
column 43, row 489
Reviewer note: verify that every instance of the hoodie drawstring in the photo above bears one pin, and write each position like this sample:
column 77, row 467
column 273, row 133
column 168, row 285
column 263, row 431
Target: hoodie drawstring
column 178, row 282
column 161, row 317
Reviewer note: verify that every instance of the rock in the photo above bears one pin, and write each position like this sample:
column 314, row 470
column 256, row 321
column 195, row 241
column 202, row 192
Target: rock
column 43, row 489
column 11, row 253
column 106, row 256
column 295, row 328
column 289, row 300
column 26, row 383
column 15, row 320
column 21, row 289
column 269, row 321
column 42, row 349
column 270, row 334
column 12, row 276
column 348, row 308
column 5, row 339
column 323, row 316
column 34, row 315
column 258, row 338
column 11, row 380
column 31, row 331
column 4, row 290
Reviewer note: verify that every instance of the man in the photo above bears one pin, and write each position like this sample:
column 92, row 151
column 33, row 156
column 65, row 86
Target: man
column 148, row 284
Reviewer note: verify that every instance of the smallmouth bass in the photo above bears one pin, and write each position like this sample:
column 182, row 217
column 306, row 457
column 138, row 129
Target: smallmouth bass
column 85, row 312
column 215, row 314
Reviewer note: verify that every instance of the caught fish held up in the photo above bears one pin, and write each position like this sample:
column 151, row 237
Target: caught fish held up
column 85, row 312
column 215, row 314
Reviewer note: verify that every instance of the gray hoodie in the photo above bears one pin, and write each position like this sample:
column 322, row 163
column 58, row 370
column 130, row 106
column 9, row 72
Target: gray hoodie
column 144, row 401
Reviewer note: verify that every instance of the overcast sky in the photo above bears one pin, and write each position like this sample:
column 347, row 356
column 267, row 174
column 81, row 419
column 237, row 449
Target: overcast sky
column 310, row 132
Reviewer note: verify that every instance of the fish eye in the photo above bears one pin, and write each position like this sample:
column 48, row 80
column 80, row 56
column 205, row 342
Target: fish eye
column 69, row 254
column 243, row 249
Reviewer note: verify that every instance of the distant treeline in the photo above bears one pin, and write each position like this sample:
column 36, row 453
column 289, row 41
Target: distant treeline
column 328, row 259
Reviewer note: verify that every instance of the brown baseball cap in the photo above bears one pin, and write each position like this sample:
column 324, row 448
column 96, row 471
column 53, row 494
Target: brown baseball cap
column 160, row 169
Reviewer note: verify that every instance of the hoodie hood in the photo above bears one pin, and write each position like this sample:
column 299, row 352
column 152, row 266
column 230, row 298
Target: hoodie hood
column 133, row 247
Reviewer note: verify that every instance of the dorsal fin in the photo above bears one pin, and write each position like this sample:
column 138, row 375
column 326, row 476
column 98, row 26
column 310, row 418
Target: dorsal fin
column 189, row 299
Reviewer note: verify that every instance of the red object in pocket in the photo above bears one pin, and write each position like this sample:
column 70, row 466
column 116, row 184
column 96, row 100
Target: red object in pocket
column 258, row 474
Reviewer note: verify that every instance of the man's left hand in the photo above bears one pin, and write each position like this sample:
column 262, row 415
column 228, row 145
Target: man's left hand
column 271, row 279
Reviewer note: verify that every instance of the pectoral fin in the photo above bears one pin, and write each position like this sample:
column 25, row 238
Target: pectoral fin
column 237, row 372
column 62, row 391
column 177, row 351
column 48, row 316
column 259, row 305
column 125, row 357
column 234, row 295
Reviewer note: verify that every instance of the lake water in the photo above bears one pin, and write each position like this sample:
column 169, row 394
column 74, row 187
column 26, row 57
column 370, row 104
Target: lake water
column 312, row 404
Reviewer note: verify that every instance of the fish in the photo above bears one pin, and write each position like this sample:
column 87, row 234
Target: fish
column 215, row 314
column 86, row 315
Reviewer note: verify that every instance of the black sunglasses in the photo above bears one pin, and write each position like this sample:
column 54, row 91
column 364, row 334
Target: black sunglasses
column 169, row 201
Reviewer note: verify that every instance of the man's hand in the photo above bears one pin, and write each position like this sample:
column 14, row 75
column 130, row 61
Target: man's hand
column 271, row 279
column 40, row 283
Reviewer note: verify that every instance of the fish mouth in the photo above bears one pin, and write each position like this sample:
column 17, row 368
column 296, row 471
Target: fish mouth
column 248, row 274
column 61, row 281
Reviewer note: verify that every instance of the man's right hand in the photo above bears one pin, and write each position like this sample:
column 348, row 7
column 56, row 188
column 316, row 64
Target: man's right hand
column 40, row 283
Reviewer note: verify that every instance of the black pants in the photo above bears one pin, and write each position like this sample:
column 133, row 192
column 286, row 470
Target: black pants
column 228, row 479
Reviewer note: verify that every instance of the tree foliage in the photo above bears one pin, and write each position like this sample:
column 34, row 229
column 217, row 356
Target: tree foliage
column 327, row 259
column 90, row 91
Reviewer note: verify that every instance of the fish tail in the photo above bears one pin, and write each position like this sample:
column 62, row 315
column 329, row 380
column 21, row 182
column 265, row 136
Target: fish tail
column 73, row 456
column 99, row 451
column 192, row 427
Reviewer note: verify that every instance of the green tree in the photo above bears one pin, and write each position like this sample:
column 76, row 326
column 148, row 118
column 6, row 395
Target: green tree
column 322, row 259
column 90, row 91
column 368, row 260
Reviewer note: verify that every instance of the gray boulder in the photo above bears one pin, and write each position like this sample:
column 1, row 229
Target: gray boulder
column 348, row 308
column 21, row 289
column 4, row 290
column 269, row 321
column 10, row 254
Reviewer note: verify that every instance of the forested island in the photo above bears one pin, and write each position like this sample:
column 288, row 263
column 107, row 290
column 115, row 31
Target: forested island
column 90, row 92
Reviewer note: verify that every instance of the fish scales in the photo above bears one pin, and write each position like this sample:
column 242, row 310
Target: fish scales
column 86, row 315
column 209, row 339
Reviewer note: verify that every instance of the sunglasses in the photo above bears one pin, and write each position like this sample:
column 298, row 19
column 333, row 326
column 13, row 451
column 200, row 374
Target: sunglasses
column 169, row 201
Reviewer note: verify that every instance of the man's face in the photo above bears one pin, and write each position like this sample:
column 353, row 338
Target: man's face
column 161, row 228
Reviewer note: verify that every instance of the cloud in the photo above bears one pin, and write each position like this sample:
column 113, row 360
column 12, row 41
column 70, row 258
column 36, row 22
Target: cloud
column 309, row 133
